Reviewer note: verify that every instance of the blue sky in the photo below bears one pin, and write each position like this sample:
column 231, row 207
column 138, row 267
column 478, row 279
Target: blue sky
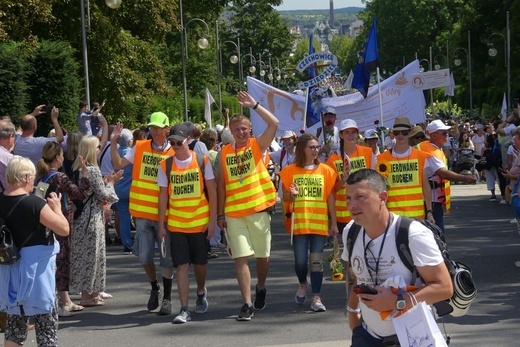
column 317, row 4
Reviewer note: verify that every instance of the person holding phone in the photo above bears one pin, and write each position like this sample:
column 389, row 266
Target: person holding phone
column 375, row 259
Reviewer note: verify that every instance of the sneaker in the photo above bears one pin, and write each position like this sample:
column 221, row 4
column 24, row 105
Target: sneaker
column 517, row 263
column 259, row 303
column 513, row 221
column 166, row 308
column 493, row 198
column 317, row 306
column 301, row 294
column 182, row 317
column 246, row 312
column 153, row 302
column 212, row 255
column 127, row 251
column 201, row 306
column 503, row 202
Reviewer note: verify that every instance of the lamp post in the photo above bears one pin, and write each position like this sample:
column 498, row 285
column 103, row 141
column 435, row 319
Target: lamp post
column 421, row 69
column 507, row 54
column 202, row 43
column 252, row 62
column 457, row 62
column 437, row 66
column 237, row 59
column 85, row 29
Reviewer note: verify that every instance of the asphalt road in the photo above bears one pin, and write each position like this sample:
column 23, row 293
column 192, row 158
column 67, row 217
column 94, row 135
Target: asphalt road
column 479, row 234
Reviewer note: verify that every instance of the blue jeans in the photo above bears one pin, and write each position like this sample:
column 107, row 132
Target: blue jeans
column 301, row 245
column 125, row 223
column 438, row 214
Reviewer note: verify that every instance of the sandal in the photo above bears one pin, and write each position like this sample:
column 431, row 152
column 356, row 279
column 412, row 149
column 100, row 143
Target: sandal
column 72, row 307
column 63, row 312
column 104, row 295
column 97, row 301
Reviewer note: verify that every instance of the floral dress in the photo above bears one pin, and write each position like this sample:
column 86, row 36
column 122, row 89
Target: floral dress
column 88, row 270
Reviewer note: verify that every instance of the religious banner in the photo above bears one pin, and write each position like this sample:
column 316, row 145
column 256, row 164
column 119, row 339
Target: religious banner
column 399, row 96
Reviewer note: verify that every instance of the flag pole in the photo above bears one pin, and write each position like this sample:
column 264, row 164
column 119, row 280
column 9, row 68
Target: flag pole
column 380, row 106
column 305, row 113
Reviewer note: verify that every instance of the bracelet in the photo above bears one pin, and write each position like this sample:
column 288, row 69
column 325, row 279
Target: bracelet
column 353, row 310
column 256, row 106
column 429, row 211
column 221, row 217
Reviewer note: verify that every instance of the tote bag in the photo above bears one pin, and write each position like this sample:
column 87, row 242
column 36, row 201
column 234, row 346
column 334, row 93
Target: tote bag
column 417, row 328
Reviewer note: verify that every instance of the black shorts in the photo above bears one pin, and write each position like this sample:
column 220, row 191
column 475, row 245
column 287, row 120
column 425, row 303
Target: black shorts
column 189, row 248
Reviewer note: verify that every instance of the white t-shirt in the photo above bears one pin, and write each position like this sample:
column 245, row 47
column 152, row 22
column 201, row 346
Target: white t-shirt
column 162, row 180
column 479, row 142
column 424, row 252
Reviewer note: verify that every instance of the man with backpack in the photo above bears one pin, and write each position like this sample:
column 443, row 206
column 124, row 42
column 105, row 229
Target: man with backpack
column 375, row 262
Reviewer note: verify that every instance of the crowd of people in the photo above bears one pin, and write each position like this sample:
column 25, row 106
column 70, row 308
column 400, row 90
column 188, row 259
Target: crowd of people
column 187, row 189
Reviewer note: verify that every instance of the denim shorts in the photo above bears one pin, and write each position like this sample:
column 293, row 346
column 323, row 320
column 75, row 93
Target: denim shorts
column 146, row 236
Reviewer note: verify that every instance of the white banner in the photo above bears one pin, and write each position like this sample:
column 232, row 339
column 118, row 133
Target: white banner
column 400, row 98
column 431, row 79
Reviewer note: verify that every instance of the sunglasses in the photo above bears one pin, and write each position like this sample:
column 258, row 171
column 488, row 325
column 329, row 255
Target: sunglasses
column 177, row 143
column 404, row 132
column 420, row 137
column 314, row 148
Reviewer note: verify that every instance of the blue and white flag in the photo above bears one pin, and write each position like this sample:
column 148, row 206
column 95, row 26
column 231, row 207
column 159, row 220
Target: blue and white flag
column 368, row 61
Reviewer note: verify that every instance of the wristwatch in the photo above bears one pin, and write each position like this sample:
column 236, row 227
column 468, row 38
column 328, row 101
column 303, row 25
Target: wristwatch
column 401, row 303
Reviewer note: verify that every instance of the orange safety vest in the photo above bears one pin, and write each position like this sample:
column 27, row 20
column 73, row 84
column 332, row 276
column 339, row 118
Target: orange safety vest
column 310, row 211
column 248, row 185
column 188, row 207
column 360, row 159
column 404, row 181
column 440, row 185
column 144, row 191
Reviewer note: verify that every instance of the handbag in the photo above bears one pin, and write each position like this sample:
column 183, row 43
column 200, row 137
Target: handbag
column 417, row 328
column 9, row 253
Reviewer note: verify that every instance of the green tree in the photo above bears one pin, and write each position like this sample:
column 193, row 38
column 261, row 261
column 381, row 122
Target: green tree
column 14, row 88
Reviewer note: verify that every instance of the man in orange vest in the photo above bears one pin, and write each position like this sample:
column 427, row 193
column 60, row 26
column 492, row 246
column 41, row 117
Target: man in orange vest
column 439, row 176
column 404, row 168
column 144, row 203
column 245, row 195
column 191, row 214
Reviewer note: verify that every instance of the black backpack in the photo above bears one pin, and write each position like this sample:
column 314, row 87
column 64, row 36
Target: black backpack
column 464, row 289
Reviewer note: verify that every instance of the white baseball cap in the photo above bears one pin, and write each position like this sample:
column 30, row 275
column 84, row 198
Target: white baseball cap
column 348, row 123
column 437, row 125
column 371, row 134
column 288, row 134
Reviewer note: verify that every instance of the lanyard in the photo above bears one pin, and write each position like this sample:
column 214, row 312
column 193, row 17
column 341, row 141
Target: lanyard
column 366, row 247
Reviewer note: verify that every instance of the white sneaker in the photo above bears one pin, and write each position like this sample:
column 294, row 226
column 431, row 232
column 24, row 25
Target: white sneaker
column 317, row 306
column 513, row 221
column 182, row 317
column 503, row 202
column 166, row 308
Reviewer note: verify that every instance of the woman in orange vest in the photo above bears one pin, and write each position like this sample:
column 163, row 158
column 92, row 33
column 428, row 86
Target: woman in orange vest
column 309, row 186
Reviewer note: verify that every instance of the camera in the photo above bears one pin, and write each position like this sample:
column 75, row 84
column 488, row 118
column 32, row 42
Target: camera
column 364, row 289
column 47, row 109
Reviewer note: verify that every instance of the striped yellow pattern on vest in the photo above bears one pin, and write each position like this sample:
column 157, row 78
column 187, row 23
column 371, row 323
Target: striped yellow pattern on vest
column 310, row 207
column 405, row 182
column 431, row 149
column 361, row 159
column 248, row 185
column 144, row 191
column 188, row 208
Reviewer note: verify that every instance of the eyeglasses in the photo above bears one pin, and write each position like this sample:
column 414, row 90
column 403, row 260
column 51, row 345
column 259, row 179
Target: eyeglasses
column 177, row 143
column 404, row 132
column 314, row 148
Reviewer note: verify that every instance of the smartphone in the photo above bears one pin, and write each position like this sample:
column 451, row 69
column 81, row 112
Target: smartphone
column 364, row 289
column 47, row 109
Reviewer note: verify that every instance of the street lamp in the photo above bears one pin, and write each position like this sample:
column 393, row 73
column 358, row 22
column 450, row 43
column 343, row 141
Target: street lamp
column 437, row 66
column 234, row 59
column 252, row 62
column 507, row 54
column 85, row 29
column 202, row 43
column 457, row 62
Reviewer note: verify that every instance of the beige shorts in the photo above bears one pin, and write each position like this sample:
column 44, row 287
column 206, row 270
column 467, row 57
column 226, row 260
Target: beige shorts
column 250, row 235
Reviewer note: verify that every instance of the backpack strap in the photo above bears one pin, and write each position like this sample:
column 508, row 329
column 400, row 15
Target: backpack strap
column 104, row 152
column 351, row 239
column 48, row 176
column 403, row 245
